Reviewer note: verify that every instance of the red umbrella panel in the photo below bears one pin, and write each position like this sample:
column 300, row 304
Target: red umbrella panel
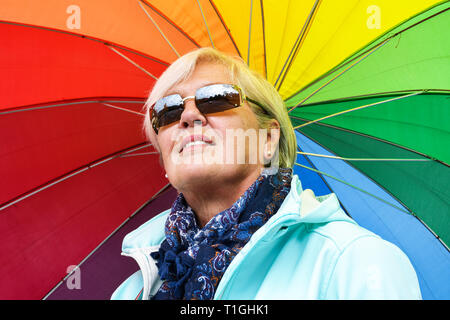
column 70, row 127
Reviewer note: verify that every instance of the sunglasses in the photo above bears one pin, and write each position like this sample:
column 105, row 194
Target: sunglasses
column 209, row 99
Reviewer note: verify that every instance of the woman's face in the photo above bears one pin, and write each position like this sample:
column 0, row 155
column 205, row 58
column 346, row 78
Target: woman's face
column 222, row 147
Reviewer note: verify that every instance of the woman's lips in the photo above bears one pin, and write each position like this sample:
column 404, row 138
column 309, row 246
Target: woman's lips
column 195, row 140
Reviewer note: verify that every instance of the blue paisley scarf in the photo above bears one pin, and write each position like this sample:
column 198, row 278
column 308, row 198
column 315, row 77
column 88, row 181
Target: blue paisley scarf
column 191, row 261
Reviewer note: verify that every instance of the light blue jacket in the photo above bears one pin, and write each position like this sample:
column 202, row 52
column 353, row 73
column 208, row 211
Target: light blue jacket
column 310, row 249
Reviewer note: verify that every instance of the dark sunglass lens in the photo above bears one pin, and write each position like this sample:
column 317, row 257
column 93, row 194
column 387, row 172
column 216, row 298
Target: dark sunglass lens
column 217, row 98
column 170, row 116
column 168, row 109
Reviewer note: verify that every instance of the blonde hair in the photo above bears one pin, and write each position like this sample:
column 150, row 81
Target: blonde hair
column 252, row 84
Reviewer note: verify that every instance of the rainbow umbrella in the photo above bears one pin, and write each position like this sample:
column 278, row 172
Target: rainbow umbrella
column 365, row 83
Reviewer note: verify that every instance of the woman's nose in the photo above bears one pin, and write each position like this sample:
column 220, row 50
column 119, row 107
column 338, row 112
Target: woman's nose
column 191, row 115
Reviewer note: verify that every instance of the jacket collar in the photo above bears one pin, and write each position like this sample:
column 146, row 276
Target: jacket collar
column 300, row 206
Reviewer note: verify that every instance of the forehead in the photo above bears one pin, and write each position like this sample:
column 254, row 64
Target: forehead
column 204, row 74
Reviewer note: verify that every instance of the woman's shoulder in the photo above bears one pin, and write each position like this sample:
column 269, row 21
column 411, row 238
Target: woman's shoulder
column 361, row 264
column 370, row 267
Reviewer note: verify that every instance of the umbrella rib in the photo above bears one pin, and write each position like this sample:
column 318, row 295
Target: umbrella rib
column 263, row 25
column 123, row 109
column 249, row 32
column 312, row 62
column 72, row 174
column 355, row 187
column 225, row 27
column 206, row 23
column 376, row 95
column 87, row 38
column 170, row 22
column 357, row 108
column 108, row 237
column 356, row 168
column 297, row 43
column 122, row 154
column 378, row 46
column 132, row 62
column 137, row 154
column 158, row 28
column 359, row 159
column 431, row 190
column 375, row 138
column 345, row 62
column 62, row 105
column 407, row 211
column 324, row 181
column 405, row 206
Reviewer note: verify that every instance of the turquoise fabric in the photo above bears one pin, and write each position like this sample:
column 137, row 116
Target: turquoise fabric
column 320, row 254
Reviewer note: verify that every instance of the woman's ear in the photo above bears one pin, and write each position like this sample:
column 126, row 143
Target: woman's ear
column 272, row 139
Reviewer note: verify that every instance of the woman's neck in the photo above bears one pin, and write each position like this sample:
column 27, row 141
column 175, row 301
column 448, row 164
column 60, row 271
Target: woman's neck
column 208, row 199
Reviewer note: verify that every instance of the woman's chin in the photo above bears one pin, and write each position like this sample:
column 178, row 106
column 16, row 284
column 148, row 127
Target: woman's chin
column 192, row 176
column 197, row 176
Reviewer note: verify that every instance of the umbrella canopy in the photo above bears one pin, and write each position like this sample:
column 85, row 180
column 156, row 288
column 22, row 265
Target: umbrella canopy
column 365, row 83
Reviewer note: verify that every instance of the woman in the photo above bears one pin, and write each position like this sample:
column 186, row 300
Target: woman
column 241, row 226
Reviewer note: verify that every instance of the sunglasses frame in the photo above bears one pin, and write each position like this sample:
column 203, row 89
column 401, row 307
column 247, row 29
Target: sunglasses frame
column 242, row 98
